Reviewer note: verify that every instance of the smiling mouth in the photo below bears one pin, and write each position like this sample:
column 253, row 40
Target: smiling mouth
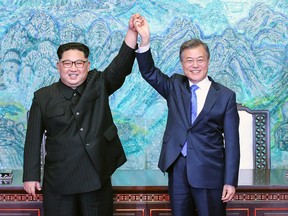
column 73, row 75
column 195, row 71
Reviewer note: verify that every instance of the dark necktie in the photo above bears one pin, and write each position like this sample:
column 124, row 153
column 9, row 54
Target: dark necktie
column 193, row 113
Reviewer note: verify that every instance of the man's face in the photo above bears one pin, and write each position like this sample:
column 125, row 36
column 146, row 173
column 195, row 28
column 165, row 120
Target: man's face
column 75, row 73
column 195, row 63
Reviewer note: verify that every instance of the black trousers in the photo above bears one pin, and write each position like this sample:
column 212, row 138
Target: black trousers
column 94, row 203
column 186, row 200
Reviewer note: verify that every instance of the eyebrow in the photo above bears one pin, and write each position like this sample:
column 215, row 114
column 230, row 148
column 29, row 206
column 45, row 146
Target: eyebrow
column 75, row 60
column 195, row 58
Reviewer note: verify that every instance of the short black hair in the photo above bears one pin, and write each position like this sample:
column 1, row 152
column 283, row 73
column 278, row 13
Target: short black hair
column 72, row 46
column 192, row 44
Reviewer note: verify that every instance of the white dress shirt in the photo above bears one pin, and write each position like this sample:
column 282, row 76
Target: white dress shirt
column 201, row 93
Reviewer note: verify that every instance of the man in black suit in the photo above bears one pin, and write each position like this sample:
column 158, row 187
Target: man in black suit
column 82, row 144
column 200, row 149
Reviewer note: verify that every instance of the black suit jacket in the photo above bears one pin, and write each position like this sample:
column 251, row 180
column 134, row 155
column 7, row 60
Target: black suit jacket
column 210, row 162
column 82, row 144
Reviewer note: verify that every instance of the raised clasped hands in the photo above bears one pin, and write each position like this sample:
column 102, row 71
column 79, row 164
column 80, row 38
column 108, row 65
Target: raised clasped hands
column 138, row 23
column 134, row 24
column 134, row 18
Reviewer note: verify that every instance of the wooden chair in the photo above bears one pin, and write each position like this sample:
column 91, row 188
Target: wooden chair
column 254, row 138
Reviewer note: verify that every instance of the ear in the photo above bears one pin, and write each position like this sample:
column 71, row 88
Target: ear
column 58, row 65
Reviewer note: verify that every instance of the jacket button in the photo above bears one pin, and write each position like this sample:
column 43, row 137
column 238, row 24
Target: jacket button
column 77, row 113
column 87, row 144
column 81, row 129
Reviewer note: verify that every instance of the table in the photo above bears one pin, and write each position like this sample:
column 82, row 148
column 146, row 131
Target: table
column 144, row 193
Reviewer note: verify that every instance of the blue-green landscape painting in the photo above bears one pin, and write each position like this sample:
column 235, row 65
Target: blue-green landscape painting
column 248, row 41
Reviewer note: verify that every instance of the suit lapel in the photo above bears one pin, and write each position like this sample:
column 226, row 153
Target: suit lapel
column 186, row 97
column 184, row 105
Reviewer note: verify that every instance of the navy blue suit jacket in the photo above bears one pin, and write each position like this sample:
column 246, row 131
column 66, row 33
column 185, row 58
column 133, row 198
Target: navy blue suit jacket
column 210, row 162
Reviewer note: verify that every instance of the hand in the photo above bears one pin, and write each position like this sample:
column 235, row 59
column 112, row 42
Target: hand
column 142, row 27
column 131, row 21
column 31, row 186
column 132, row 34
column 228, row 193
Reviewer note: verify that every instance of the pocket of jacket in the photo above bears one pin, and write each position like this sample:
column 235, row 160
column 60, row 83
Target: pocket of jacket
column 55, row 111
column 214, row 153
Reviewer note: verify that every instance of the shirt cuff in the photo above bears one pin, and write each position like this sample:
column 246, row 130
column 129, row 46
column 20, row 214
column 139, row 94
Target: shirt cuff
column 143, row 49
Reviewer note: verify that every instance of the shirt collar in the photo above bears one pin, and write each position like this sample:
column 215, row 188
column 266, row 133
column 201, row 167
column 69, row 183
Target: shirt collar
column 202, row 84
column 68, row 91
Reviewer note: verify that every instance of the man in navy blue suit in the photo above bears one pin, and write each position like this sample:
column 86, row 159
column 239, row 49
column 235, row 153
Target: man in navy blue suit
column 200, row 155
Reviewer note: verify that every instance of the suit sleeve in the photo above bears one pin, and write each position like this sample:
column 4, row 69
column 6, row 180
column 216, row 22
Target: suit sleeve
column 32, row 147
column 119, row 68
column 232, row 146
column 153, row 75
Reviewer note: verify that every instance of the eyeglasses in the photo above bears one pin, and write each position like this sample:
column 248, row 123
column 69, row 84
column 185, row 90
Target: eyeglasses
column 190, row 62
column 78, row 63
